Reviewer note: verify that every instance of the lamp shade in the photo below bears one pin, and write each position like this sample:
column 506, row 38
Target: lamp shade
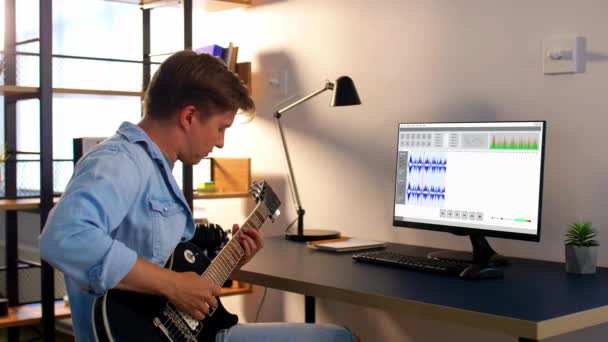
column 345, row 93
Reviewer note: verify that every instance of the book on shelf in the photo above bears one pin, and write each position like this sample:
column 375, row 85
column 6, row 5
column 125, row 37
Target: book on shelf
column 213, row 50
column 345, row 244
column 229, row 54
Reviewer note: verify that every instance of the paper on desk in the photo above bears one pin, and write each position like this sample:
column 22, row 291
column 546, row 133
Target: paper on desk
column 345, row 244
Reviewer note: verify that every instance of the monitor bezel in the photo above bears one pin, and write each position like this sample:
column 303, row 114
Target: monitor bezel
column 473, row 231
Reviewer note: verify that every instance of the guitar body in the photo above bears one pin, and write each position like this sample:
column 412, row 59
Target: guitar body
column 130, row 316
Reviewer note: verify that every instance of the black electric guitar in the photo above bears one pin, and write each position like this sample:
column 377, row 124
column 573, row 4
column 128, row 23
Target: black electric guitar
column 130, row 316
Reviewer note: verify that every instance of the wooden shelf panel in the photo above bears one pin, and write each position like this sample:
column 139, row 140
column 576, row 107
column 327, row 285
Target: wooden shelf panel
column 238, row 2
column 211, row 5
column 237, row 288
column 232, row 177
column 19, row 90
column 222, row 5
column 21, row 203
column 243, row 69
column 219, row 194
column 97, row 92
column 9, row 90
column 31, row 314
column 231, row 174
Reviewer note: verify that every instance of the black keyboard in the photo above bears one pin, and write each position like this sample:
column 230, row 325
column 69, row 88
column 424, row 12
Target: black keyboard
column 452, row 268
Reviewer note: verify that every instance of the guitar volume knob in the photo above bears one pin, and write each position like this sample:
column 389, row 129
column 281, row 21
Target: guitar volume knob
column 189, row 256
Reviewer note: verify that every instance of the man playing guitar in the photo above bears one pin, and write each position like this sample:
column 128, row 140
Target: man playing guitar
column 122, row 214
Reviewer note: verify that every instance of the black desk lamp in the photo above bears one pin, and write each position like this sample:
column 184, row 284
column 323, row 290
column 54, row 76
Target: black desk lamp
column 344, row 94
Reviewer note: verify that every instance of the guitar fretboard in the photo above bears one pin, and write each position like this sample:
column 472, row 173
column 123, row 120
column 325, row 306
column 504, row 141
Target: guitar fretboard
column 224, row 263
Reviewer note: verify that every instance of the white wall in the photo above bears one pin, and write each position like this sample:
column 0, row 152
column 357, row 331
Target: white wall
column 413, row 60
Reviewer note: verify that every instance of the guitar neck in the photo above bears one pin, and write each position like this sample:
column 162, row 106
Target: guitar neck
column 226, row 261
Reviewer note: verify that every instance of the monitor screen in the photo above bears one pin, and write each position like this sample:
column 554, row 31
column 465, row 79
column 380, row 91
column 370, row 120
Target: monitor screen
column 471, row 178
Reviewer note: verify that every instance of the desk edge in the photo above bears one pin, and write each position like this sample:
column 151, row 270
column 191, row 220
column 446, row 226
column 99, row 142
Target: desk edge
column 572, row 322
column 510, row 326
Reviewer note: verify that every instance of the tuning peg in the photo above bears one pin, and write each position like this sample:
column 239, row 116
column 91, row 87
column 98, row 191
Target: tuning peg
column 275, row 215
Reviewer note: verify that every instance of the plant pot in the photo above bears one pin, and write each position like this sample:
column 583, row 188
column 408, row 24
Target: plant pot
column 581, row 260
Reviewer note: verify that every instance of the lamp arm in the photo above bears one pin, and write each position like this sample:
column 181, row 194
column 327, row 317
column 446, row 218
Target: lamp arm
column 287, row 156
column 278, row 114
column 328, row 86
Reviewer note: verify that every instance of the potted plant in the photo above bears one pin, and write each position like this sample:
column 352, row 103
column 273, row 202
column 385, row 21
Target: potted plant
column 4, row 155
column 581, row 248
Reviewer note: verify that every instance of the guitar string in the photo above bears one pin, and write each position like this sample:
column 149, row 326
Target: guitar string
column 227, row 258
column 223, row 267
column 239, row 252
column 175, row 327
column 211, row 268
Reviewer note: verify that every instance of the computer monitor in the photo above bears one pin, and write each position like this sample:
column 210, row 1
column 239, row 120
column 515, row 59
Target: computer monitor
column 475, row 178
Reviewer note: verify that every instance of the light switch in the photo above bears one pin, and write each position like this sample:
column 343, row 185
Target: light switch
column 277, row 83
column 564, row 55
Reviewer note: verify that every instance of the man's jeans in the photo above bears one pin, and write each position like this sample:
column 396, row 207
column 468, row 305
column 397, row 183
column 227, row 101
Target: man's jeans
column 283, row 332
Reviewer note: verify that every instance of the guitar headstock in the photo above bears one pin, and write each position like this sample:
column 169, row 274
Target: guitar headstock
column 262, row 192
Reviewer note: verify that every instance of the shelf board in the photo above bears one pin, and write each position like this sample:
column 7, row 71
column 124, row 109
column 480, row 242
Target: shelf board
column 31, row 314
column 19, row 90
column 219, row 194
column 237, row 288
column 142, row 2
column 21, row 203
column 222, row 5
column 210, row 5
column 97, row 92
column 10, row 90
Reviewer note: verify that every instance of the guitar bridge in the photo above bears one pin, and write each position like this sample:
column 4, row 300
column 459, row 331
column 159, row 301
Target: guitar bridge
column 178, row 323
column 162, row 328
column 190, row 321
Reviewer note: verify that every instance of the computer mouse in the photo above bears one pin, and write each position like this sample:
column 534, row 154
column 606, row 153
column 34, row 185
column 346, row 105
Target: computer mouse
column 481, row 272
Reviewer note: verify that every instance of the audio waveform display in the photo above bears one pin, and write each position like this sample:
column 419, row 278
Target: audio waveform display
column 514, row 142
column 426, row 164
column 426, row 179
column 431, row 193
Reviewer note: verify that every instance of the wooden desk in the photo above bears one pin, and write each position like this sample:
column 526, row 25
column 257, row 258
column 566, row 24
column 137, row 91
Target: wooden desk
column 534, row 301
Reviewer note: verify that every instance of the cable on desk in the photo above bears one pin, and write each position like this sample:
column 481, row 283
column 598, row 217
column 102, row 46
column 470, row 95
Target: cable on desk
column 291, row 224
column 257, row 314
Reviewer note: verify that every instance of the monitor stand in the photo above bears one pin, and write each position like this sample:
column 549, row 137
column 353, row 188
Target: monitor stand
column 482, row 254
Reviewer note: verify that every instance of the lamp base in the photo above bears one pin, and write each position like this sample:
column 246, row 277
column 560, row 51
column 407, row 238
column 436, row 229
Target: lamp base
column 313, row 235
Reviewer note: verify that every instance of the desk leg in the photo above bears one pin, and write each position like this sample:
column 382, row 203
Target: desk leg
column 309, row 309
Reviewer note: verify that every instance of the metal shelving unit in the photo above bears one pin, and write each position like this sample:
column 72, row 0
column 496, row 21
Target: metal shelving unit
column 49, row 310
column 12, row 94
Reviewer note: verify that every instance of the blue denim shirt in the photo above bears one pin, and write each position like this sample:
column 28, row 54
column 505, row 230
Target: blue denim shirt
column 122, row 202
